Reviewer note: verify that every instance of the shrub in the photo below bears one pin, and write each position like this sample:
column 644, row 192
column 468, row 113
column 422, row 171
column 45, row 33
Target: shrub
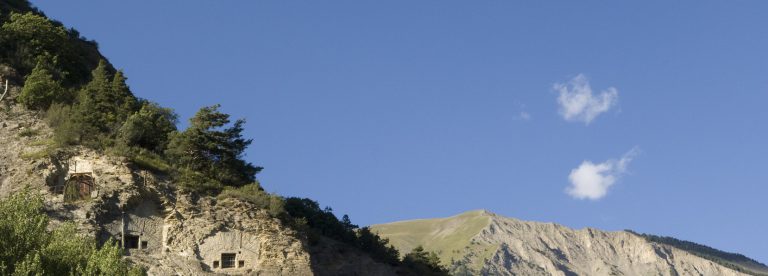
column 65, row 128
column 67, row 249
column 324, row 222
column 28, row 132
column 27, row 248
column 23, row 230
column 149, row 160
column 253, row 193
column 105, row 261
column 149, row 128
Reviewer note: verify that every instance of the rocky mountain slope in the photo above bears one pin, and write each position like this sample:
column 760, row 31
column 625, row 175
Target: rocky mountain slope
column 483, row 243
column 165, row 231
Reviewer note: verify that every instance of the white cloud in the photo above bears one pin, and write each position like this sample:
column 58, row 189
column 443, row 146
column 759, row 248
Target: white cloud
column 591, row 181
column 524, row 116
column 577, row 103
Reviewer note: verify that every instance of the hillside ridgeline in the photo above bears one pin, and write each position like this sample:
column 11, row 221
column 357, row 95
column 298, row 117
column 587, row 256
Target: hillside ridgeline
column 115, row 187
column 483, row 243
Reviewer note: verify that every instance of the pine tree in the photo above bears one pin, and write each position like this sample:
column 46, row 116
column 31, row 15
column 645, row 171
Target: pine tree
column 97, row 109
column 423, row 262
column 209, row 155
column 40, row 89
column 125, row 101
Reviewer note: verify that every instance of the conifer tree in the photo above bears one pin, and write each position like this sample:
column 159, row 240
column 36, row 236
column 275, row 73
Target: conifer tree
column 125, row 101
column 210, row 155
column 40, row 89
column 96, row 114
column 97, row 109
column 424, row 263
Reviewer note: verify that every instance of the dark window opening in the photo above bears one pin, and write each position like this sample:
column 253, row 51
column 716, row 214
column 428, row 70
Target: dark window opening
column 215, row 264
column 240, row 263
column 131, row 242
column 144, row 244
column 228, row 260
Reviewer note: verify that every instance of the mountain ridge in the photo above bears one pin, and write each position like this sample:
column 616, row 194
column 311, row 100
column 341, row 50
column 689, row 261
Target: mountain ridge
column 509, row 246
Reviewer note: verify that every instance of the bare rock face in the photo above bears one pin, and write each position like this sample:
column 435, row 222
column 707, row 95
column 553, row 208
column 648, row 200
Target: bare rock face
column 210, row 232
column 162, row 229
column 551, row 249
column 482, row 243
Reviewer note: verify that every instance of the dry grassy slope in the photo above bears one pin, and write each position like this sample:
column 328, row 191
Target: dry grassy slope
column 450, row 237
column 493, row 245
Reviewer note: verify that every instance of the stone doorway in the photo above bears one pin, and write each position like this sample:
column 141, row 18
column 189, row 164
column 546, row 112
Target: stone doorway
column 79, row 186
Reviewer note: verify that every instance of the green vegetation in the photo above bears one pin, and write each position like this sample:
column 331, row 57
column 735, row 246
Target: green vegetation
column 733, row 261
column 27, row 248
column 28, row 132
column 148, row 128
column 40, row 89
column 88, row 103
column 60, row 118
column 307, row 215
column 448, row 237
column 323, row 222
column 253, row 193
column 28, row 36
column 34, row 155
column 423, row 262
column 208, row 156
column 146, row 159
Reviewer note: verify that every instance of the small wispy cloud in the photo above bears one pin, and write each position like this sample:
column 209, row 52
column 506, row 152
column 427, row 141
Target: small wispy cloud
column 592, row 181
column 523, row 116
column 578, row 103
column 522, row 112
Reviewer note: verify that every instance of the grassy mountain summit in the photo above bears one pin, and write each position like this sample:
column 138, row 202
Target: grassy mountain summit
column 448, row 237
column 483, row 243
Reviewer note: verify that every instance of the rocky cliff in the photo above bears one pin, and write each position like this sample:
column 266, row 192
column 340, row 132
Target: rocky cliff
column 162, row 229
column 483, row 243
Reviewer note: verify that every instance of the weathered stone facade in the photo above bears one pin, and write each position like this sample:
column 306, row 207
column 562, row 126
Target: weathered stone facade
column 140, row 229
column 184, row 235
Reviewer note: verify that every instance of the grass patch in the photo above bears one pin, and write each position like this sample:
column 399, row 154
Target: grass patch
column 44, row 142
column 28, row 132
column 253, row 193
column 141, row 158
column 448, row 237
column 150, row 161
column 34, row 155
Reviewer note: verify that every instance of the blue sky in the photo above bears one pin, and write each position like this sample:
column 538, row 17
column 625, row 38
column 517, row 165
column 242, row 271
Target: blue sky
column 392, row 110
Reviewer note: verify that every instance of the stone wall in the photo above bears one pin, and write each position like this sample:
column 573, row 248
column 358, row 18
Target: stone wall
column 145, row 223
column 243, row 245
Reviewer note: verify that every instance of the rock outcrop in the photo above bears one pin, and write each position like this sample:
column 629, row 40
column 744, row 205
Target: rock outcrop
column 162, row 229
column 483, row 243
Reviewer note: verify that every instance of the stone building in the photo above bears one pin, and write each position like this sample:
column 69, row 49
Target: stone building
column 230, row 251
column 139, row 229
